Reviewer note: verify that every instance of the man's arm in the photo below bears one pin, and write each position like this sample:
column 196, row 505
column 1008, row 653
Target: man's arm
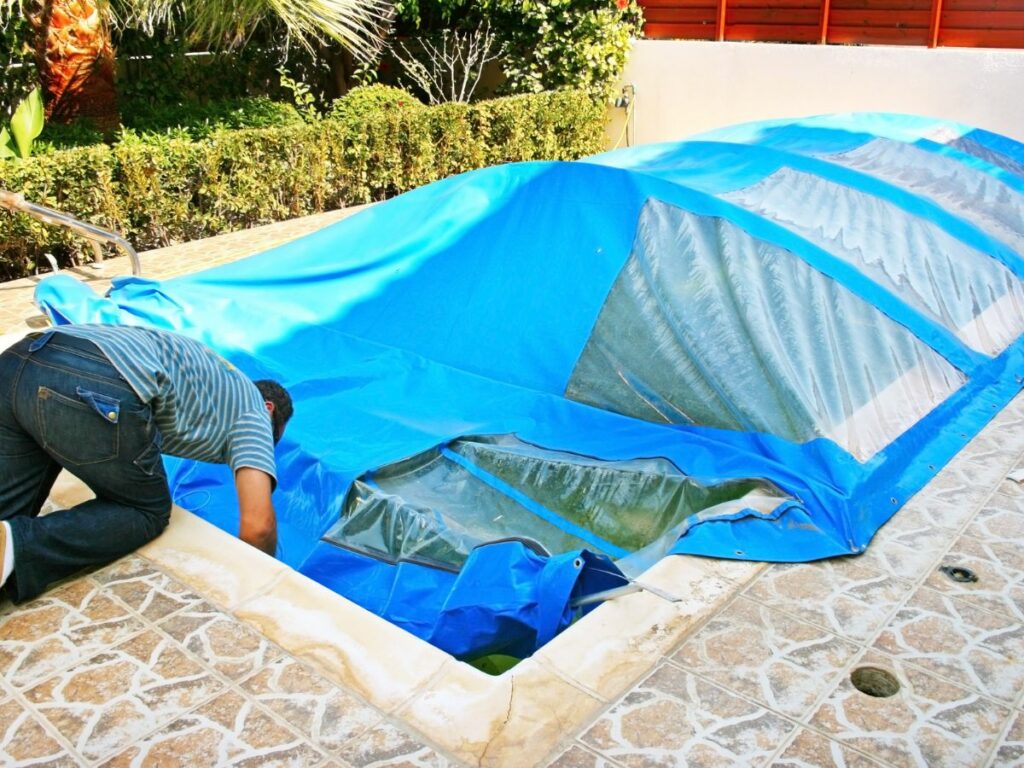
column 257, row 523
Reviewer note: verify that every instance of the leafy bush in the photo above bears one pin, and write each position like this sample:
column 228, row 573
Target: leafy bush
column 191, row 121
column 156, row 67
column 56, row 136
column 158, row 190
column 367, row 99
column 566, row 43
column 548, row 44
column 197, row 121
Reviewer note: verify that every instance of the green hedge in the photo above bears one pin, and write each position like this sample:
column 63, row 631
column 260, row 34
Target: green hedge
column 160, row 191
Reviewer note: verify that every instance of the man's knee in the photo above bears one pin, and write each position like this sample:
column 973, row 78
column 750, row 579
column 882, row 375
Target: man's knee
column 156, row 516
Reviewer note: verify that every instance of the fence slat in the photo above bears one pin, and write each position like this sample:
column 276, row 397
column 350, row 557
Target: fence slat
column 773, row 17
column 777, row 33
column 868, row 19
column 683, row 15
column 1003, row 20
column 680, row 31
column 982, row 38
column 876, row 35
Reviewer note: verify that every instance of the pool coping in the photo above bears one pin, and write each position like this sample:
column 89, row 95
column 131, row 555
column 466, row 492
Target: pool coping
column 519, row 717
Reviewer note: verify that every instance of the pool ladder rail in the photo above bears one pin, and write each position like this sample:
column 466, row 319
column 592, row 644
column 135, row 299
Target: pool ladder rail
column 13, row 201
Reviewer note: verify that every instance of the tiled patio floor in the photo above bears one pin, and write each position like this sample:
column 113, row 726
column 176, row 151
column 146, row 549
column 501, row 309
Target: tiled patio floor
column 130, row 666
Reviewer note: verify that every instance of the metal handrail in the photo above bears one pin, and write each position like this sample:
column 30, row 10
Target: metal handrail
column 14, row 201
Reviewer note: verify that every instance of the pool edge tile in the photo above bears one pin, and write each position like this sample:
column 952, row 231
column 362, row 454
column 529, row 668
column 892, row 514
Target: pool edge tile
column 343, row 640
column 514, row 719
column 222, row 568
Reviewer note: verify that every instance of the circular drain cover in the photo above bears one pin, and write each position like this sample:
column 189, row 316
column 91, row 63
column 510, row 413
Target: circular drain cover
column 959, row 573
column 875, row 682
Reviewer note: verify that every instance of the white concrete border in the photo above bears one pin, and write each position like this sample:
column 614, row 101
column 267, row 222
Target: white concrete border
column 688, row 86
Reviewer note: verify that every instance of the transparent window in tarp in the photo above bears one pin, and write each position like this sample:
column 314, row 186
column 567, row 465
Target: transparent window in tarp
column 436, row 507
column 970, row 193
column 992, row 156
column 707, row 325
column 967, row 291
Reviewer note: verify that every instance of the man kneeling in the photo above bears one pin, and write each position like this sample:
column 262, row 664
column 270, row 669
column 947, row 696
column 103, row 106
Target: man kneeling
column 104, row 402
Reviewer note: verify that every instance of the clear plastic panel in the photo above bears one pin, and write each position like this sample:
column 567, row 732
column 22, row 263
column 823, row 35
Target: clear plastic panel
column 708, row 325
column 971, row 194
column 390, row 527
column 989, row 155
column 966, row 291
column 436, row 507
column 627, row 503
column 449, row 504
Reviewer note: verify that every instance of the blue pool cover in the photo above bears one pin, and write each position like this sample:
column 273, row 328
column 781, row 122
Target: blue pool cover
column 525, row 384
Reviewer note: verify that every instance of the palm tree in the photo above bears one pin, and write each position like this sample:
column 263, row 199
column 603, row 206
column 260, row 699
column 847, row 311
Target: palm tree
column 75, row 55
column 75, row 58
column 356, row 24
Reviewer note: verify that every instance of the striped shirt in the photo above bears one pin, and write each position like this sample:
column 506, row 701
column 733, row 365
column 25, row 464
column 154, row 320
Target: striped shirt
column 205, row 408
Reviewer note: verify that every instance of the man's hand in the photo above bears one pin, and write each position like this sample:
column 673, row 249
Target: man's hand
column 257, row 523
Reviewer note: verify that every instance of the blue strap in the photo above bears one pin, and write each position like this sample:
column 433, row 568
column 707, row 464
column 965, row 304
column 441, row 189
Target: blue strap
column 540, row 511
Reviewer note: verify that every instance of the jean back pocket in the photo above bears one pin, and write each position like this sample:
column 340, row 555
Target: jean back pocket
column 82, row 430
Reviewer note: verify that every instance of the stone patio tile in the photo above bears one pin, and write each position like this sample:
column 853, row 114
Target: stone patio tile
column 113, row 699
column 908, row 545
column 1008, row 431
column 991, row 453
column 973, row 647
column 1008, row 554
column 578, row 757
column 58, row 629
column 23, row 741
column 315, row 707
column 220, row 640
column 227, row 731
column 842, row 594
column 145, row 589
column 929, row 721
column 999, row 567
column 766, row 655
column 387, row 745
column 812, row 750
column 1000, row 520
column 676, row 718
column 1011, row 751
column 951, row 497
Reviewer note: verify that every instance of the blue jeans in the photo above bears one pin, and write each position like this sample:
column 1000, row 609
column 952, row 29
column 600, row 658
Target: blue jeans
column 62, row 404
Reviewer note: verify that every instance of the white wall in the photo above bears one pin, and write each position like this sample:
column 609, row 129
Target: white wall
column 687, row 86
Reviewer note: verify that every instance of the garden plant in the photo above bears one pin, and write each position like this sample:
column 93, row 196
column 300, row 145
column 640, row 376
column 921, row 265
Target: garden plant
column 169, row 121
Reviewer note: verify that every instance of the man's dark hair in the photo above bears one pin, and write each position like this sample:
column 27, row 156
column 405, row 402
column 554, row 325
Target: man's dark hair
column 278, row 395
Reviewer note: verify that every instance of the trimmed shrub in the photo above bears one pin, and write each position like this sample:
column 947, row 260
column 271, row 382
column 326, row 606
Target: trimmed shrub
column 159, row 190
column 368, row 99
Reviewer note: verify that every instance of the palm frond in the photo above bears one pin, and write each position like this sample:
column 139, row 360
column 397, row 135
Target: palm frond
column 358, row 25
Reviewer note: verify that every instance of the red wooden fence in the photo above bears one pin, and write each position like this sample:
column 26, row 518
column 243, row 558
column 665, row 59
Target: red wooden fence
column 970, row 23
